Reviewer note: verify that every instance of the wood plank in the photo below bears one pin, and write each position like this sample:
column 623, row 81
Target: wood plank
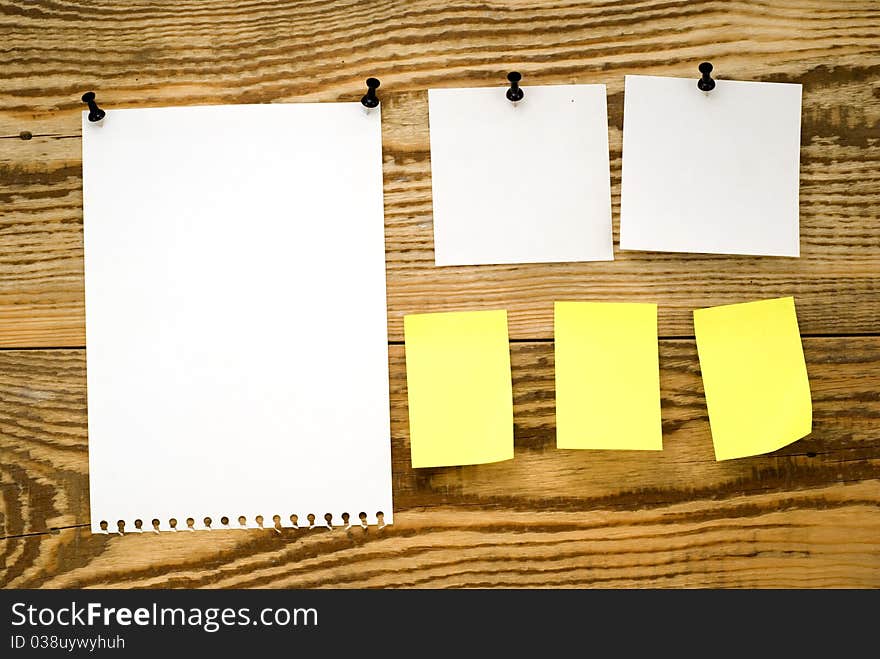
column 821, row 538
column 163, row 53
column 44, row 465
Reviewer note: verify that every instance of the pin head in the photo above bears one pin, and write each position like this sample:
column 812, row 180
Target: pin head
column 705, row 83
column 514, row 94
column 370, row 100
column 95, row 113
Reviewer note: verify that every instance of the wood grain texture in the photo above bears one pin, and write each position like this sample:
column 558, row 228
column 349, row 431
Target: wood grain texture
column 193, row 52
column 766, row 540
column 805, row 516
column 810, row 512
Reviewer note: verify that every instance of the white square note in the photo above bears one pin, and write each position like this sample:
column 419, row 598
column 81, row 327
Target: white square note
column 524, row 183
column 235, row 316
column 713, row 172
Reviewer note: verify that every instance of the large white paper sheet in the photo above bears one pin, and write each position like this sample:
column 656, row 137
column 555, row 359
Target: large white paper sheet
column 711, row 172
column 235, row 315
column 524, row 183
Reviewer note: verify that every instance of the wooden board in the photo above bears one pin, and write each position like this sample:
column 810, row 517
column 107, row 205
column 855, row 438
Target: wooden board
column 766, row 540
column 198, row 52
column 808, row 515
column 824, row 489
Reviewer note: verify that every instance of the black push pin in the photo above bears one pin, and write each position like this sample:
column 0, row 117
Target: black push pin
column 706, row 84
column 370, row 100
column 95, row 113
column 514, row 94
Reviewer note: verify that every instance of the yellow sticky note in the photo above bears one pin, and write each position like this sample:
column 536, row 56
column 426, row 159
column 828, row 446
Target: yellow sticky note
column 459, row 388
column 607, row 376
column 754, row 375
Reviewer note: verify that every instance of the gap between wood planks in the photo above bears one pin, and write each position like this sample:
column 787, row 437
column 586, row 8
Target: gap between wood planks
column 55, row 530
column 842, row 335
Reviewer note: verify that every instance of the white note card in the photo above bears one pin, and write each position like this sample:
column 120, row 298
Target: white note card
column 235, row 316
column 524, row 183
column 710, row 172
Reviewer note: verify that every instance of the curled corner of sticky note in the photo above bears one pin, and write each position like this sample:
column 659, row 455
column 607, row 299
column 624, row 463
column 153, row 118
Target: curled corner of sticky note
column 754, row 376
column 459, row 388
